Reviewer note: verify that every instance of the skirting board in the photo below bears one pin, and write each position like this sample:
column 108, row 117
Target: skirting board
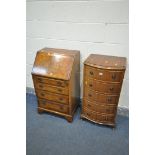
column 121, row 110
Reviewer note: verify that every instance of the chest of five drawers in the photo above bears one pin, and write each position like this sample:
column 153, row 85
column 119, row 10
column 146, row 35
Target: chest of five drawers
column 103, row 78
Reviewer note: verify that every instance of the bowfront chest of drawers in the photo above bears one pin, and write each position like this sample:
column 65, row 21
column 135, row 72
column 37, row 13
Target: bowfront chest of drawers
column 103, row 77
column 56, row 78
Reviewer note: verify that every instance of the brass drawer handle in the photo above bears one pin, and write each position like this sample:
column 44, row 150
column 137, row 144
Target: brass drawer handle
column 91, row 73
column 90, row 85
column 87, row 114
column 60, row 90
column 42, row 94
column 39, row 79
column 89, row 105
column 60, row 99
column 114, row 76
column 90, row 95
column 40, row 86
column 44, row 102
column 109, row 99
column 61, row 107
column 106, row 118
column 112, row 88
column 59, row 83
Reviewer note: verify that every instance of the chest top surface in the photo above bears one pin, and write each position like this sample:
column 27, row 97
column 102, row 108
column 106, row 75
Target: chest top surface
column 54, row 63
column 106, row 62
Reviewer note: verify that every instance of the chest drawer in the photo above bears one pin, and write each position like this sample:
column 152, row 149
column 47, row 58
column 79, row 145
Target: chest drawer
column 98, row 117
column 103, row 86
column 52, row 106
column 104, row 75
column 89, row 105
column 88, row 113
column 53, row 89
column 50, row 81
column 105, row 118
column 51, row 96
column 101, row 98
column 106, row 109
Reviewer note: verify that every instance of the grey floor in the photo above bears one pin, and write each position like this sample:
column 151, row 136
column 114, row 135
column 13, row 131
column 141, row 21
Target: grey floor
column 51, row 135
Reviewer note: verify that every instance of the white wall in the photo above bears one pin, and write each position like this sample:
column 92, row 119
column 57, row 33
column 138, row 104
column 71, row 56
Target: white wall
column 92, row 26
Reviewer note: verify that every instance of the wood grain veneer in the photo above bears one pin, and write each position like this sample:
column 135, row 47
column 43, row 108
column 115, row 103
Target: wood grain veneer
column 56, row 78
column 103, row 78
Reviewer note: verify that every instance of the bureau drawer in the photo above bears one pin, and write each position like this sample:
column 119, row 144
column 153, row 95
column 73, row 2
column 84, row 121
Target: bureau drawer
column 51, row 96
column 50, row 81
column 52, row 106
column 101, row 98
column 104, row 75
column 103, row 86
column 107, row 109
column 53, row 89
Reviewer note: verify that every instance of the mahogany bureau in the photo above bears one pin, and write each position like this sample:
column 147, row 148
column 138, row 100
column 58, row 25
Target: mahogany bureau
column 56, row 78
column 103, row 77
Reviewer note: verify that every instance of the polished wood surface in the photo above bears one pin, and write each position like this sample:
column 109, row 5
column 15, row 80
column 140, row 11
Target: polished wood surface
column 52, row 96
column 51, row 105
column 106, row 62
column 53, row 89
column 104, row 74
column 99, row 117
column 103, row 87
column 101, row 108
column 59, row 61
column 56, row 78
column 100, row 97
column 53, row 82
column 103, row 78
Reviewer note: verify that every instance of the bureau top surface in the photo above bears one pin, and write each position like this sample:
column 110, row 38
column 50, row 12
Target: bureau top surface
column 106, row 62
column 54, row 63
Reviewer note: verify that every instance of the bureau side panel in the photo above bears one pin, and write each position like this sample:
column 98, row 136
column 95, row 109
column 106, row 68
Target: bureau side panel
column 74, row 85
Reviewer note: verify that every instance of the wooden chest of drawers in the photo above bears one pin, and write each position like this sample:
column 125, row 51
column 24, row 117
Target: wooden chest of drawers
column 56, row 78
column 103, row 77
